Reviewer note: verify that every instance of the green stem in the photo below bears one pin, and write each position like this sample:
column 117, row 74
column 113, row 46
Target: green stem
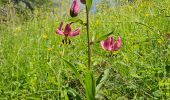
column 88, row 38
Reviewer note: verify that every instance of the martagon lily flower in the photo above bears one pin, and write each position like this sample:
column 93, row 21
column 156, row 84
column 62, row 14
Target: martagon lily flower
column 67, row 32
column 110, row 45
column 75, row 8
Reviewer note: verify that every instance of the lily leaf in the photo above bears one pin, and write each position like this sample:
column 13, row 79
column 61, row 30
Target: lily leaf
column 89, row 4
column 76, row 20
column 75, row 71
column 90, row 86
column 102, row 78
column 104, row 36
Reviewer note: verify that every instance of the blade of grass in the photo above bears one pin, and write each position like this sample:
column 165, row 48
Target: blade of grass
column 75, row 71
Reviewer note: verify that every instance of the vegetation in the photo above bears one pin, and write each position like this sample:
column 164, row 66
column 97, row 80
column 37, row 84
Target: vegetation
column 35, row 64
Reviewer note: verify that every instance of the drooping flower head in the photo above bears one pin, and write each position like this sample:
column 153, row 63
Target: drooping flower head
column 67, row 32
column 83, row 1
column 75, row 8
column 110, row 45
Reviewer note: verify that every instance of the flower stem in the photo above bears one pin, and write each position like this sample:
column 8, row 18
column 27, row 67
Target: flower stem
column 88, row 38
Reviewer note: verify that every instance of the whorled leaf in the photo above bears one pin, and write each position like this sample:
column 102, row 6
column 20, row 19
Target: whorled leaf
column 76, row 20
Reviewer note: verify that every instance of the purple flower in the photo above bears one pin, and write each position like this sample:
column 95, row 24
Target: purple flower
column 67, row 31
column 110, row 45
column 75, row 8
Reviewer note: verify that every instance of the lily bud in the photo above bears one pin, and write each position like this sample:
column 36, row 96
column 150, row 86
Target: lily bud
column 75, row 8
column 83, row 1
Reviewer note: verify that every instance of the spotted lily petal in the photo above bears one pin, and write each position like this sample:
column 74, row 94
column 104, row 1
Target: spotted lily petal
column 102, row 45
column 67, row 29
column 117, row 45
column 59, row 32
column 75, row 33
column 60, row 27
column 109, row 43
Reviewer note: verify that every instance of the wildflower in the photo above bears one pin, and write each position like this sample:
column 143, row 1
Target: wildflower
column 45, row 36
column 159, row 41
column 83, row 1
column 110, row 45
column 67, row 32
column 50, row 49
column 75, row 8
column 146, row 14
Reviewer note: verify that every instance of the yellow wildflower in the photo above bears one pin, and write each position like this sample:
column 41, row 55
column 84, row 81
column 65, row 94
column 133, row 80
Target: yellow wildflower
column 45, row 36
column 50, row 49
column 159, row 41
column 146, row 14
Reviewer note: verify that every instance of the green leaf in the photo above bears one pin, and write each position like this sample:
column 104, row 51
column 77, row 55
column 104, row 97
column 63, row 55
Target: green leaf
column 104, row 36
column 167, row 67
column 73, row 93
column 101, row 96
column 76, row 20
column 99, row 78
column 102, row 78
column 89, row 4
column 90, row 86
column 75, row 71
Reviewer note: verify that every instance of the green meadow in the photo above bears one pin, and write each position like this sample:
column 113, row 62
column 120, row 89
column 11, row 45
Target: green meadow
column 36, row 65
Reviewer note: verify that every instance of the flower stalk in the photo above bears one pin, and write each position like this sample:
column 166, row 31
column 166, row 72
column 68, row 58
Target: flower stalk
column 88, row 38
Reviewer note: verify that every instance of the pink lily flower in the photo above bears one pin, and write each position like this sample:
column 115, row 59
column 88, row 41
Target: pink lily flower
column 110, row 45
column 67, row 31
column 75, row 8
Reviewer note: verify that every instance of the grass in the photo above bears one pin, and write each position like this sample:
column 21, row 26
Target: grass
column 31, row 64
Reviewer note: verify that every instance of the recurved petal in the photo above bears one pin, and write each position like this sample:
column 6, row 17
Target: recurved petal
column 117, row 45
column 59, row 32
column 75, row 33
column 60, row 27
column 67, row 29
column 109, row 43
column 102, row 44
